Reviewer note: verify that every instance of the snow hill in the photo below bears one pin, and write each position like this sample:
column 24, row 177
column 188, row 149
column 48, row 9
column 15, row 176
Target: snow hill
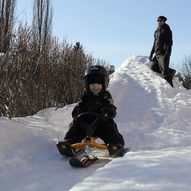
column 153, row 117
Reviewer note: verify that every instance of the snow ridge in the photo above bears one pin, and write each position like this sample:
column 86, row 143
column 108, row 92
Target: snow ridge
column 153, row 117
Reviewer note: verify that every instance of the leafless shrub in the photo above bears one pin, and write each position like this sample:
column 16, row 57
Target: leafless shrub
column 31, row 81
column 37, row 71
column 186, row 72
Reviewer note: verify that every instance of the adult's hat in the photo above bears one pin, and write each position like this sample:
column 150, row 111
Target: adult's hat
column 162, row 18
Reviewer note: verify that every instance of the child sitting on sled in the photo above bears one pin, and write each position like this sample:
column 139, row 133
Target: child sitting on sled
column 96, row 99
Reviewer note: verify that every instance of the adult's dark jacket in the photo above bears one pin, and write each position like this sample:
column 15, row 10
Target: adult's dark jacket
column 96, row 104
column 162, row 41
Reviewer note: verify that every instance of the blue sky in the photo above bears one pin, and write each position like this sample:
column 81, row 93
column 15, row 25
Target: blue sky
column 116, row 29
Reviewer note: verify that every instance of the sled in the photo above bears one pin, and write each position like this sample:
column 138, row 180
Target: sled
column 81, row 153
column 90, row 142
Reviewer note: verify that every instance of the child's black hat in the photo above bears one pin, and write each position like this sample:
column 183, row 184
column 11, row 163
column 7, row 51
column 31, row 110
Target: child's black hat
column 96, row 74
column 95, row 79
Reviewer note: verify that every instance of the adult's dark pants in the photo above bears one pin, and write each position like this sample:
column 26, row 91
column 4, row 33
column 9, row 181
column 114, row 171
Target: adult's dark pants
column 161, row 65
column 107, row 131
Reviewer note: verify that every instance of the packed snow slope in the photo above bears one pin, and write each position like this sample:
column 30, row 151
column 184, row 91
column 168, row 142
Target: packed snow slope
column 153, row 117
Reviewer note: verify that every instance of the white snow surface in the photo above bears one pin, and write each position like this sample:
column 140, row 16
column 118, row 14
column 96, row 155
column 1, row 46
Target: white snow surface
column 153, row 117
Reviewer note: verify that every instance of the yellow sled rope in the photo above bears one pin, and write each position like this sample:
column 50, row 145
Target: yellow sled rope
column 90, row 142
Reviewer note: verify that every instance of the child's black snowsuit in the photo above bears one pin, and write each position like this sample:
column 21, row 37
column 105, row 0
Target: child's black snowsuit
column 102, row 104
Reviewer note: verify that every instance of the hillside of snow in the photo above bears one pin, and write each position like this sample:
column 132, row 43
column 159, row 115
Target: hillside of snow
column 153, row 117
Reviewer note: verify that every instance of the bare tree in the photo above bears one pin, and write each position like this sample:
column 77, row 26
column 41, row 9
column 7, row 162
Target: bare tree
column 7, row 8
column 39, row 72
column 42, row 23
column 186, row 69
column 186, row 72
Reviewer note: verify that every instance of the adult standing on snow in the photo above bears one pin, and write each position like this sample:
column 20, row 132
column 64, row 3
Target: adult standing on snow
column 161, row 50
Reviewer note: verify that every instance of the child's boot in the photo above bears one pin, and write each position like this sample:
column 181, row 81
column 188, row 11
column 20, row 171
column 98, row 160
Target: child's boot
column 65, row 148
column 116, row 150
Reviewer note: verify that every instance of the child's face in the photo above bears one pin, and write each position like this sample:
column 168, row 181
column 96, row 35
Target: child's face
column 95, row 88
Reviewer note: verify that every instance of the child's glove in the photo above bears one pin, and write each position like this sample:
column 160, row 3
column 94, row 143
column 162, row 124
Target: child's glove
column 103, row 116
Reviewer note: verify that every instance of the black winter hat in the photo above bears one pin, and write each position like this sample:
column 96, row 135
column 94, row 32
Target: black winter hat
column 162, row 18
column 91, row 76
column 95, row 79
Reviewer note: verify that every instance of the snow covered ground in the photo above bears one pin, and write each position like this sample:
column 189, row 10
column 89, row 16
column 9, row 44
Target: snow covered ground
column 153, row 117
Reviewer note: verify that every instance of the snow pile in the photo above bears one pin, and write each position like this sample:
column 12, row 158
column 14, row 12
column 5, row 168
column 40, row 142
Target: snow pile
column 146, row 102
column 153, row 117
